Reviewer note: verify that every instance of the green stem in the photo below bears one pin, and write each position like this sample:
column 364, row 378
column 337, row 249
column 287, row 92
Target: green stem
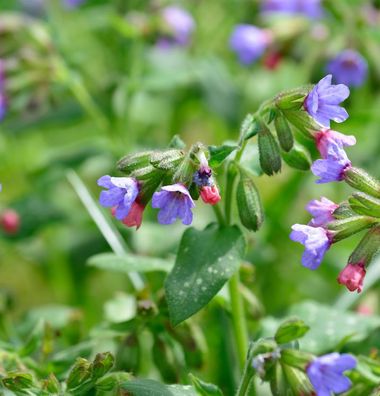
column 246, row 380
column 219, row 214
column 238, row 319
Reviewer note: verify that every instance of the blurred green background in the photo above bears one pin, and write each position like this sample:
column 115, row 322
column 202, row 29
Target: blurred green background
column 87, row 85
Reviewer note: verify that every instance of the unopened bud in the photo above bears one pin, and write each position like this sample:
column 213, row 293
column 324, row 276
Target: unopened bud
column 167, row 160
column 210, row 195
column 248, row 202
column 132, row 162
column 269, row 152
column 284, row 133
column 352, row 276
column 362, row 181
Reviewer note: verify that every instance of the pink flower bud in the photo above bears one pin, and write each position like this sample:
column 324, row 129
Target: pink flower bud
column 210, row 195
column 135, row 215
column 10, row 221
column 352, row 277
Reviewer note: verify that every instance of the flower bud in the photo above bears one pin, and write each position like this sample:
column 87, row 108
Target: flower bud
column 284, row 133
column 269, row 152
column 248, row 202
column 344, row 228
column 10, row 221
column 364, row 204
column 298, row 157
column 167, row 160
column 102, row 363
column 352, row 276
column 132, row 162
column 134, row 218
column 362, row 181
column 210, row 195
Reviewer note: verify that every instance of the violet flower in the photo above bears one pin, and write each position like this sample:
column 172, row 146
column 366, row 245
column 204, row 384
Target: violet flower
column 322, row 211
column 333, row 167
column 326, row 373
column 316, row 240
column 180, row 24
column 121, row 194
column 174, row 202
column 325, row 137
column 249, row 42
column 349, row 68
column 322, row 102
column 309, row 8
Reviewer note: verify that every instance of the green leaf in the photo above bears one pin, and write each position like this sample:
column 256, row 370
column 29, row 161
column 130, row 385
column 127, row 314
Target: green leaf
column 129, row 263
column 205, row 261
column 146, row 387
column 219, row 153
column 203, row 388
column 291, row 330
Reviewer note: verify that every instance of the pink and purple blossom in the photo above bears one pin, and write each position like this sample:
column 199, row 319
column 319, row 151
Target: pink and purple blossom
column 249, row 42
column 322, row 103
column 349, row 68
column 180, row 25
column 174, row 201
column 333, row 167
column 210, row 195
column 325, row 137
column 316, row 240
column 309, row 8
column 326, row 373
column 352, row 276
column 121, row 193
column 322, row 211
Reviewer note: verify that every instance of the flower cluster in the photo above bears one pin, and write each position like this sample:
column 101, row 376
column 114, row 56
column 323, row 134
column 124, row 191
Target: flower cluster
column 128, row 196
column 330, row 222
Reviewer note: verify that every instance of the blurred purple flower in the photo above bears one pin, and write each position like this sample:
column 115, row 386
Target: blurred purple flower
column 322, row 211
column 174, row 202
column 316, row 240
column 322, row 103
column 180, row 24
column 333, row 167
column 249, row 42
column 326, row 373
column 325, row 137
column 73, row 3
column 310, row 8
column 3, row 105
column 349, row 68
column 122, row 193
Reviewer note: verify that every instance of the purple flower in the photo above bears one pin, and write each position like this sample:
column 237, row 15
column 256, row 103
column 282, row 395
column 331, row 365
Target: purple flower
column 249, row 42
column 73, row 3
column 326, row 373
column 322, row 103
column 333, row 167
column 180, row 24
column 310, row 8
column 317, row 241
column 349, row 68
column 3, row 105
column 121, row 194
column 322, row 211
column 325, row 137
column 174, row 202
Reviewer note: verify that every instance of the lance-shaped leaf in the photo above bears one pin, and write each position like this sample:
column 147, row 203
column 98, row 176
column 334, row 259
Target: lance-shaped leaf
column 205, row 261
